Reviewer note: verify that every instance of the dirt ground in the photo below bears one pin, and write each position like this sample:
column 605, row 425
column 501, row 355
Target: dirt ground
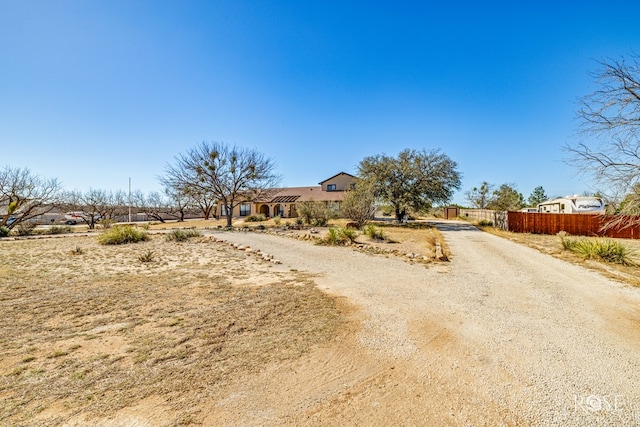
column 90, row 333
column 253, row 328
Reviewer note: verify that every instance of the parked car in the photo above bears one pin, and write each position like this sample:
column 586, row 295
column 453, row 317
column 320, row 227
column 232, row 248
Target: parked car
column 72, row 218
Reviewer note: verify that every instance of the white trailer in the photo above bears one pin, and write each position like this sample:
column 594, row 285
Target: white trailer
column 573, row 205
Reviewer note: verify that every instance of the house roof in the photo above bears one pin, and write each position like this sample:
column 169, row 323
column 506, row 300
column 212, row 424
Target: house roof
column 304, row 194
column 338, row 174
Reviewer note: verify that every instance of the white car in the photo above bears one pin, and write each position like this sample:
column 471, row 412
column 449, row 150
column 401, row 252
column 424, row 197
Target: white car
column 72, row 218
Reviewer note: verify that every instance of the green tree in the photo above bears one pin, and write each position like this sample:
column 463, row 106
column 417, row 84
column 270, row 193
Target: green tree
column 413, row 180
column 506, row 198
column 228, row 174
column 537, row 196
column 480, row 197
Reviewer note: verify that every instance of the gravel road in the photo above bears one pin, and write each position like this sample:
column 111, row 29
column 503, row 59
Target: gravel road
column 501, row 335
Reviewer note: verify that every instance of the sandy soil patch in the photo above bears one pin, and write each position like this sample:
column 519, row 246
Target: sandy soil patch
column 89, row 333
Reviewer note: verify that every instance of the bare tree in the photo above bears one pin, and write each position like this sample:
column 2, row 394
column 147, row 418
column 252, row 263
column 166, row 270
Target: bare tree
column 95, row 205
column 184, row 183
column 610, row 125
column 228, row 174
column 24, row 196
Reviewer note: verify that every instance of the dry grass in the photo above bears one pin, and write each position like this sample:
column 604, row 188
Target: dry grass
column 86, row 335
column 552, row 245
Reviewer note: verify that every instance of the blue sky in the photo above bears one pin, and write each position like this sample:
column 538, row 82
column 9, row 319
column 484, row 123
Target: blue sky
column 97, row 92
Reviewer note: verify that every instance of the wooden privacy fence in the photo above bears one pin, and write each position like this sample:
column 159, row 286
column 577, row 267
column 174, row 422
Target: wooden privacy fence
column 574, row 224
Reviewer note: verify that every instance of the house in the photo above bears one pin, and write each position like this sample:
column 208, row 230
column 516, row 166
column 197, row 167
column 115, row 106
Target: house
column 573, row 205
column 282, row 202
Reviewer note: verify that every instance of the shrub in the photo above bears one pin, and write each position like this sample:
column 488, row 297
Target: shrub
column 180, row 235
column 148, row 256
column 317, row 214
column 276, row 220
column 374, row 233
column 77, row 251
column 57, row 229
column 340, row 236
column 255, row 218
column 121, row 234
column 25, row 228
column 601, row 249
column 319, row 222
column 485, row 223
column 4, row 231
column 106, row 223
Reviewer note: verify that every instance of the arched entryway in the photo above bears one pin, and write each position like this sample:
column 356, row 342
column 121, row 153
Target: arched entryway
column 278, row 210
column 264, row 210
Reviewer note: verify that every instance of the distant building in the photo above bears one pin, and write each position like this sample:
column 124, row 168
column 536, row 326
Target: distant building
column 283, row 202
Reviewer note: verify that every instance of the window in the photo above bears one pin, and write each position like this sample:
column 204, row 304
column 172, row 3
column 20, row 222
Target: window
column 245, row 209
column 331, row 187
column 223, row 210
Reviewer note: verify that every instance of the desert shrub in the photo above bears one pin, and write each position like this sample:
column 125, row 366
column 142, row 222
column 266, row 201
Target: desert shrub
column 106, row 223
column 57, row 229
column 180, row 235
column 121, row 234
column 25, row 228
column 374, row 233
column 77, row 251
column 319, row 222
column 255, row 218
column 485, row 223
column 317, row 214
column 339, row 236
column 4, row 231
column 276, row 220
column 600, row 249
column 148, row 256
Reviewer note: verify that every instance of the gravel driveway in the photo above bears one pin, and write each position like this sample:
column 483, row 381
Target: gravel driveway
column 501, row 335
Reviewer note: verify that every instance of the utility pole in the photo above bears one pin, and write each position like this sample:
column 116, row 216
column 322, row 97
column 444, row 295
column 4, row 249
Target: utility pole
column 129, row 199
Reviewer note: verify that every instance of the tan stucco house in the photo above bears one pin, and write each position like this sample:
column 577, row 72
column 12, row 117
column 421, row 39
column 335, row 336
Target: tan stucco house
column 282, row 202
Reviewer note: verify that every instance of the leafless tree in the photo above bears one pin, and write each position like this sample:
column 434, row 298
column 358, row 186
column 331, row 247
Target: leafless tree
column 24, row 196
column 95, row 205
column 229, row 174
column 609, row 151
